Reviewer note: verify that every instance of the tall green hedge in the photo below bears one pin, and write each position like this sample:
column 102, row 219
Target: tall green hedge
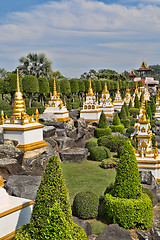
column 103, row 121
column 116, row 120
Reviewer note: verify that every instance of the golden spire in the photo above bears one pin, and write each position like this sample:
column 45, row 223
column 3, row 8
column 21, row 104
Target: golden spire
column 19, row 104
column 143, row 119
column 18, row 88
column 143, row 65
column 127, row 90
column 143, row 103
column 2, row 117
column 117, row 87
column 54, row 88
column 105, row 89
column 1, row 181
column 90, row 90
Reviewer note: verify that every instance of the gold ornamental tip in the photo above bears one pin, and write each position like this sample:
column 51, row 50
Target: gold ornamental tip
column 90, row 90
column 54, row 88
column 1, row 181
column 105, row 89
column 156, row 144
column 18, row 88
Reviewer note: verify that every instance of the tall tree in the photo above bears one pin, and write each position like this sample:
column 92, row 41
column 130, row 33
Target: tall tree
column 30, row 86
column 136, row 102
column 35, row 64
column 81, row 88
column 43, row 88
column 74, row 86
column 65, row 87
column 3, row 73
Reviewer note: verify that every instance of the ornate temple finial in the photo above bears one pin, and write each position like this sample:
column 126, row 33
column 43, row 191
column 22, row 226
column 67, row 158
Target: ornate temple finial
column 18, row 88
column 90, row 90
column 37, row 115
column 54, row 88
column 105, row 89
column 2, row 117
column 65, row 104
column 143, row 103
column 1, row 181
column 118, row 87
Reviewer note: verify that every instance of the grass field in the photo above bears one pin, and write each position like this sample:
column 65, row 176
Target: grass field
column 86, row 176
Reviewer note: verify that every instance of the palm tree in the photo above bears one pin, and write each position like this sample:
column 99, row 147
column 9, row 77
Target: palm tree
column 35, row 64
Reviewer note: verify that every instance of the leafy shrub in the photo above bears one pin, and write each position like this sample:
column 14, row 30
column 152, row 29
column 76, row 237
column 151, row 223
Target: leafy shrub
column 100, row 132
column 85, row 205
column 99, row 153
column 23, row 233
column 149, row 193
column 92, row 142
column 152, row 122
column 36, row 104
column 153, row 140
column 134, row 112
column 112, row 142
column 132, row 120
column 126, row 122
column 4, row 105
column 102, row 121
column 32, row 110
column 130, row 130
column 116, row 120
column 109, row 163
column 69, row 106
column 109, row 188
column 97, row 227
column 127, row 181
column 8, row 113
column 119, row 152
column 75, row 105
column 129, row 213
column 117, row 128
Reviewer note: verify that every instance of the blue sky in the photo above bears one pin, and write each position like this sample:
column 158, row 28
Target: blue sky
column 79, row 35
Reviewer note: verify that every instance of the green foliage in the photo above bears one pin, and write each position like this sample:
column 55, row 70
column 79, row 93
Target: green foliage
column 65, row 87
column 117, row 128
column 75, row 105
column 127, row 182
column 23, row 233
column 100, row 132
column 32, row 110
column 149, row 193
column 134, row 112
column 112, row 142
column 130, row 130
column 149, row 112
column 99, row 153
column 126, row 109
column 85, row 205
column 116, row 120
column 153, row 106
column 129, row 213
column 130, row 104
column 119, row 151
column 97, row 227
column 30, row 84
column 43, row 85
column 126, row 122
column 86, row 84
column 51, row 84
column 132, row 121
column 91, row 143
column 102, row 121
column 10, row 83
column 81, row 86
column 74, row 85
column 136, row 102
column 153, row 140
column 37, row 104
column 1, row 86
column 109, row 163
column 122, row 113
column 4, row 105
column 98, row 86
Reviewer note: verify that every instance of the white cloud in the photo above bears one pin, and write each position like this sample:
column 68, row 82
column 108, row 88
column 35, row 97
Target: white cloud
column 83, row 34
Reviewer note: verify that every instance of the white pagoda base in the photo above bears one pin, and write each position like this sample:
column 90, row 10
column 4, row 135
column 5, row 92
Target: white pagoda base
column 62, row 115
column 108, row 110
column 91, row 115
column 157, row 115
column 117, row 106
column 148, row 163
column 14, row 212
column 29, row 136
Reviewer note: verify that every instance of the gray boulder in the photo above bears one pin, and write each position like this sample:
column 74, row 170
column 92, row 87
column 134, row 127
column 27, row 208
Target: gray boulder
column 73, row 155
column 155, row 233
column 55, row 124
column 64, row 142
column 49, row 131
column 149, row 181
column 1, row 136
column 114, row 232
column 23, row 186
column 74, row 114
column 12, row 152
column 117, row 134
column 9, row 166
column 143, row 235
column 84, row 224
column 61, row 132
column 77, row 133
column 47, row 117
column 80, row 123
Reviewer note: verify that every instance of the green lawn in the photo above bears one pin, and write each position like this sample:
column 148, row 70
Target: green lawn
column 86, row 176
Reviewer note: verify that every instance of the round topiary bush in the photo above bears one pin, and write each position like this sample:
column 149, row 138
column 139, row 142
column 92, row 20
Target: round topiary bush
column 85, row 205
column 99, row 153
column 103, row 121
column 119, row 151
column 100, row 132
column 117, row 128
column 109, row 163
column 91, row 143
column 126, row 122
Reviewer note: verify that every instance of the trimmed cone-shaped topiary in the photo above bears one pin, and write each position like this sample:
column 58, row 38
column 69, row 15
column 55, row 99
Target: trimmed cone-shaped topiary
column 52, row 204
column 103, row 121
column 136, row 102
column 122, row 113
column 126, row 109
column 116, row 120
column 130, row 104
column 127, row 182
